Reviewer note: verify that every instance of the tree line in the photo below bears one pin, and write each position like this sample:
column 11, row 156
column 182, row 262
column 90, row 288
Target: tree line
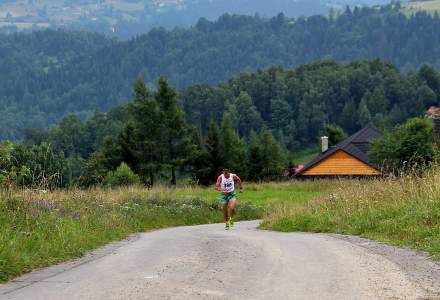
column 50, row 74
column 146, row 140
column 251, row 124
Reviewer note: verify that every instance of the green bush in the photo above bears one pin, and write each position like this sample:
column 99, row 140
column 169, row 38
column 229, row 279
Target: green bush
column 409, row 147
column 123, row 176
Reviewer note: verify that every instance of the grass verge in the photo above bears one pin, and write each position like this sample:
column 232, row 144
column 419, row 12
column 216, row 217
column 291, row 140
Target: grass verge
column 38, row 228
column 400, row 211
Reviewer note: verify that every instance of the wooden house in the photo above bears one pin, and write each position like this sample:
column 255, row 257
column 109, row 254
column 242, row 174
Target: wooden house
column 348, row 158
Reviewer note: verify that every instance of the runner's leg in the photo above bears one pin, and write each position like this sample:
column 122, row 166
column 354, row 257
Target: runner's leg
column 225, row 211
column 233, row 207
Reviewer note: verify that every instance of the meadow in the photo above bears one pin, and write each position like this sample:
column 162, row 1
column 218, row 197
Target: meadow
column 403, row 211
column 430, row 6
column 39, row 228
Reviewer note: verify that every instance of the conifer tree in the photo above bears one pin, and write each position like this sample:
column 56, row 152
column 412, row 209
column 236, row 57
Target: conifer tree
column 174, row 140
column 213, row 149
column 146, row 143
column 364, row 113
column 349, row 117
column 272, row 156
column 200, row 159
column 232, row 150
column 254, row 159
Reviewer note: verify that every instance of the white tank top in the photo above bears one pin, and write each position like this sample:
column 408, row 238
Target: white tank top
column 227, row 184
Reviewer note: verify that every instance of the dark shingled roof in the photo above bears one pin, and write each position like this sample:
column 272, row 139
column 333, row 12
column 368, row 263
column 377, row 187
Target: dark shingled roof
column 356, row 145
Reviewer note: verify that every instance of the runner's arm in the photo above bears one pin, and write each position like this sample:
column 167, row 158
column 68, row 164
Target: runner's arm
column 240, row 183
column 217, row 184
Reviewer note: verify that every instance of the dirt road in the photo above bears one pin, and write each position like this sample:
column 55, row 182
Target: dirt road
column 207, row 262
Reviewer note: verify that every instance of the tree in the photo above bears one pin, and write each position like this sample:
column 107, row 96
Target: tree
column 272, row 156
column 364, row 114
column 247, row 114
column 431, row 78
column 68, row 136
column 282, row 121
column 201, row 168
column 232, row 150
column 254, row 163
column 409, row 147
column 334, row 133
column 426, row 97
column 142, row 138
column 376, row 101
column 349, row 117
column 213, row 148
column 103, row 160
column 174, row 138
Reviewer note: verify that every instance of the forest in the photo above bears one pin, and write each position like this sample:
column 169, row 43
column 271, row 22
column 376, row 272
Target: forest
column 51, row 74
column 253, row 124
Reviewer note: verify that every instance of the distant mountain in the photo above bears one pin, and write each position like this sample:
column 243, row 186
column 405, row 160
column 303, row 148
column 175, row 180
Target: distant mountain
column 126, row 18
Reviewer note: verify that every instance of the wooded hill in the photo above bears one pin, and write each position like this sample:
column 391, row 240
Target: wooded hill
column 295, row 104
column 127, row 18
column 251, row 124
column 46, row 75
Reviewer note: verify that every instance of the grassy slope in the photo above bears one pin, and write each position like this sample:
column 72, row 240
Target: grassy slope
column 428, row 6
column 403, row 212
column 304, row 156
column 40, row 229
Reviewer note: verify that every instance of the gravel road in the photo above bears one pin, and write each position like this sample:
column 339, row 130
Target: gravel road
column 207, row 262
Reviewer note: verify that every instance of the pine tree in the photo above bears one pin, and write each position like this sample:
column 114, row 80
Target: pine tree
column 213, row 149
column 254, row 159
column 349, row 117
column 200, row 159
column 174, row 139
column 364, row 113
column 272, row 156
column 232, row 149
column 146, row 138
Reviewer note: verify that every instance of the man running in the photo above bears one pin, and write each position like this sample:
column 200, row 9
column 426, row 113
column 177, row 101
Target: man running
column 226, row 185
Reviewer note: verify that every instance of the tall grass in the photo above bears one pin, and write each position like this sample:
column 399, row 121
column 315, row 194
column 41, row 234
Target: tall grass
column 403, row 211
column 39, row 228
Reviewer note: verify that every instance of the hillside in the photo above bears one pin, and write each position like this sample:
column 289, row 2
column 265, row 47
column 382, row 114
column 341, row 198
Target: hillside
column 126, row 18
column 80, row 72
column 430, row 6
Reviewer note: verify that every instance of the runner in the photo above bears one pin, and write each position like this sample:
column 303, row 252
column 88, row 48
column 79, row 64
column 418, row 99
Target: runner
column 226, row 185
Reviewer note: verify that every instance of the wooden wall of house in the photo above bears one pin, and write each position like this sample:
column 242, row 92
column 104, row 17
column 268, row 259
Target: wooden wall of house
column 341, row 163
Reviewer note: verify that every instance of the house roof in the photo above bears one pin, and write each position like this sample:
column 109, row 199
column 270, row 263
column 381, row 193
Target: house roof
column 356, row 145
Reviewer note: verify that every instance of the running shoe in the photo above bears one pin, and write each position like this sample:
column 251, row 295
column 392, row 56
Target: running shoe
column 227, row 226
column 231, row 222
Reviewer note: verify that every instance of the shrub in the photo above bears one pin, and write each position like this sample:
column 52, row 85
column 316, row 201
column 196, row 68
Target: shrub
column 123, row 176
column 409, row 147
